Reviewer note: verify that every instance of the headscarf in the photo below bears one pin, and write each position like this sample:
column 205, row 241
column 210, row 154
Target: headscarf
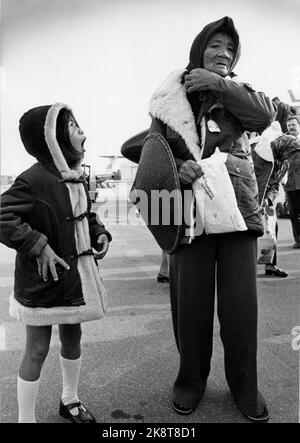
column 198, row 47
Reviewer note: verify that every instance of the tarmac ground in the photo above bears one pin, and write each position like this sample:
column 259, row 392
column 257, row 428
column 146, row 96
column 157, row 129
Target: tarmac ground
column 130, row 359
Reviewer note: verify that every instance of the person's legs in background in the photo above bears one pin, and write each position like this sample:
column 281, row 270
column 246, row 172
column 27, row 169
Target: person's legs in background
column 294, row 209
column 272, row 268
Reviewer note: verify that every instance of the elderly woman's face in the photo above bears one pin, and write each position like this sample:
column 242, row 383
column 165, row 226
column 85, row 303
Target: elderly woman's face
column 219, row 53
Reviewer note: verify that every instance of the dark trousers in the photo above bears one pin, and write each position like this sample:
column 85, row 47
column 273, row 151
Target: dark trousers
column 294, row 208
column 274, row 261
column 225, row 263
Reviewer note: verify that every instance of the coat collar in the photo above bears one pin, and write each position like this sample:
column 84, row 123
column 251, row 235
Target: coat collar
column 170, row 105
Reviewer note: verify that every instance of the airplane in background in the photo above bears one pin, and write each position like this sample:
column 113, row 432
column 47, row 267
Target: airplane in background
column 95, row 179
column 112, row 166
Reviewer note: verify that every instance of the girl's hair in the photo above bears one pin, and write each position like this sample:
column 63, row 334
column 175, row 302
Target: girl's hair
column 62, row 135
column 62, row 125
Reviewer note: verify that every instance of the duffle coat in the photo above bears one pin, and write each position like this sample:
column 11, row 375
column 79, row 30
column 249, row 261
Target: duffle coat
column 49, row 204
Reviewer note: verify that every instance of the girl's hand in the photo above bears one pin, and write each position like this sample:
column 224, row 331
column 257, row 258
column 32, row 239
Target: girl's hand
column 48, row 259
column 189, row 171
column 103, row 245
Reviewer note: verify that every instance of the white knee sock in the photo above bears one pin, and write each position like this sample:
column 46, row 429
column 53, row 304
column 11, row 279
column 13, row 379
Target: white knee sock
column 70, row 375
column 27, row 395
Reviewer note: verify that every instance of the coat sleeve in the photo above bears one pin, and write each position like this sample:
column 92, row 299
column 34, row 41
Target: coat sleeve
column 280, row 168
column 132, row 148
column 96, row 228
column 279, row 171
column 253, row 109
column 17, row 204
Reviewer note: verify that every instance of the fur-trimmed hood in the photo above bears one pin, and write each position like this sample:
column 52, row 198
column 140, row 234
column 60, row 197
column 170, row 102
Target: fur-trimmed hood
column 38, row 133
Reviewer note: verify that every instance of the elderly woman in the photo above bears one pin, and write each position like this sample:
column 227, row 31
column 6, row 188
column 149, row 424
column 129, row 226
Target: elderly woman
column 202, row 108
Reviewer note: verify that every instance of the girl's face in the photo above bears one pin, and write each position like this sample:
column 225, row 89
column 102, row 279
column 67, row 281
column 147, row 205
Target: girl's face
column 77, row 137
column 219, row 53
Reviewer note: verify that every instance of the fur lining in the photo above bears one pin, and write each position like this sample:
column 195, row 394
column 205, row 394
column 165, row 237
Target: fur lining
column 170, row 105
column 88, row 271
column 60, row 315
column 54, row 148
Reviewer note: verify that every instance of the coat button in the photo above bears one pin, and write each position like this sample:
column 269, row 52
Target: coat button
column 238, row 170
column 68, row 219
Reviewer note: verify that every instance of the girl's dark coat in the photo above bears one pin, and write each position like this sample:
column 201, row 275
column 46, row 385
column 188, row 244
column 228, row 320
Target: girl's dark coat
column 39, row 209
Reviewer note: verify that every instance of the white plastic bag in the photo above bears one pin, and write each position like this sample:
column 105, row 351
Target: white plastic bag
column 215, row 197
column 267, row 243
column 263, row 147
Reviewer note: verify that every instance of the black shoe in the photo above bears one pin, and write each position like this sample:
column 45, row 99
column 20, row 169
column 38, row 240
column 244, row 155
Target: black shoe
column 276, row 272
column 181, row 409
column 83, row 416
column 263, row 418
column 296, row 245
column 162, row 278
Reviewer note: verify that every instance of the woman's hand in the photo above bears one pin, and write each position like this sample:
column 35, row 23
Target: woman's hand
column 48, row 259
column 189, row 171
column 103, row 244
column 200, row 80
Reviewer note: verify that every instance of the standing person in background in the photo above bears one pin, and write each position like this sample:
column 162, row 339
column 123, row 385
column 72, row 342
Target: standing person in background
column 289, row 146
column 279, row 170
column 293, row 126
column 197, row 110
column 46, row 217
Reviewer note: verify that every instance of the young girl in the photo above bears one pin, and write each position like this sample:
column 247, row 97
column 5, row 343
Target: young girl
column 46, row 217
